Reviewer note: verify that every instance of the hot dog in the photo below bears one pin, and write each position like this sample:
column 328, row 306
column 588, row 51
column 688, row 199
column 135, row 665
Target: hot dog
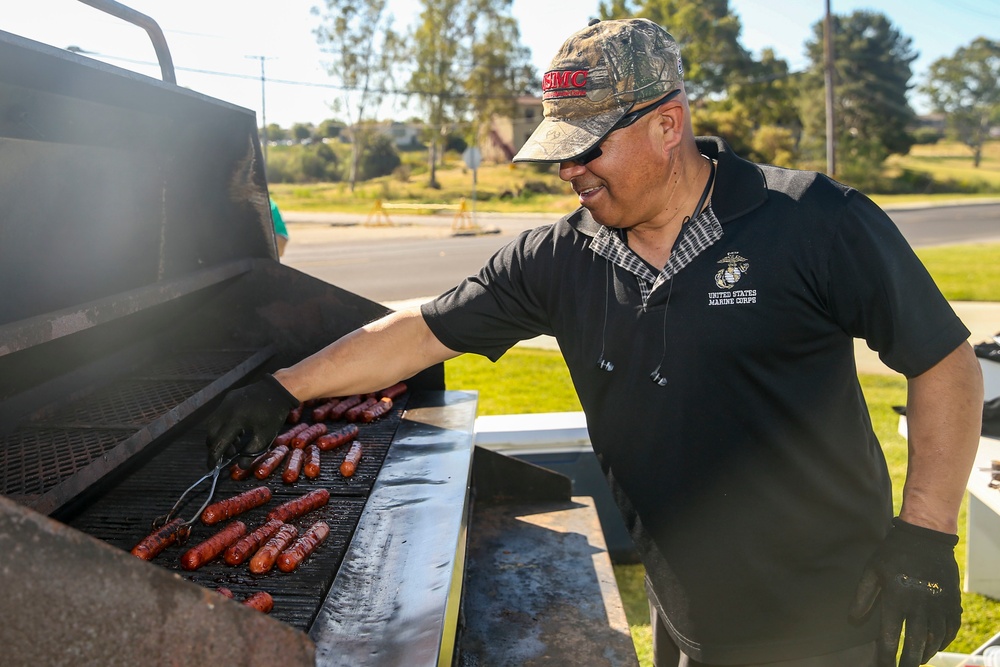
column 239, row 474
column 374, row 412
column 293, row 466
column 261, row 601
column 248, row 544
column 350, row 463
column 354, row 414
column 339, row 437
column 286, row 437
column 291, row 557
column 323, row 411
column 202, row 553
column 295, row 414
column 263, row 560
column 267, row 466
column 293, row 509
column 157, row 541
column 308, row 435
column 225, row 592
column 345, row 404
column 230, row 507
column 311, row 467
column 395, row 391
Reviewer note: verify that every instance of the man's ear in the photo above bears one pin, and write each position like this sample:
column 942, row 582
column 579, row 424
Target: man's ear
column 671, row 118
column 671, row 122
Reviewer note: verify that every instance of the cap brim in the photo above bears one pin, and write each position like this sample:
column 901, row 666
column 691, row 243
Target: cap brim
column 557, row 140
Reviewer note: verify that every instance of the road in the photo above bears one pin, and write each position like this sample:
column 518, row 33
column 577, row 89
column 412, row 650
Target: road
column 419, row 256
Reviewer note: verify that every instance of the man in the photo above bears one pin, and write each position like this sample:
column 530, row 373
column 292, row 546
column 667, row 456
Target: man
column 706, row 308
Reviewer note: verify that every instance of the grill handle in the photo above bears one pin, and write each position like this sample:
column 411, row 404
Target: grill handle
column 146, row 23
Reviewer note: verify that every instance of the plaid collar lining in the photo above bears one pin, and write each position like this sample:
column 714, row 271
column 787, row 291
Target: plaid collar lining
column 696, row 236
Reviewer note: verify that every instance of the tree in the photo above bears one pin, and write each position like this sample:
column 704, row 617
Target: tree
column 330, row 128
column 468, row 61
column 436, row 80
column 379, row 157
column 364, row 49
column 871, row 78
column 302, row 132
column 966, row 87
column 275, row 133
column 501, row 66
column 707, row 32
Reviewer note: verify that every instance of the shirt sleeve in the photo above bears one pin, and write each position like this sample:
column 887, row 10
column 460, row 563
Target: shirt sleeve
column 504, row 303
column 880, row 291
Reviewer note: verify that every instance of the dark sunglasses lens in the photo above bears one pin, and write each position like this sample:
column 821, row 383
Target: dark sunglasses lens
column 589, row 156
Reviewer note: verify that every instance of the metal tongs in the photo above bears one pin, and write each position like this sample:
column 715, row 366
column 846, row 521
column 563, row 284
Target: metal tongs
column 185, row 526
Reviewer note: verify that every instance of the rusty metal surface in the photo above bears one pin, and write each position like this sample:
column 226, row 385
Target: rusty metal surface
column 540, row 589
column 406, row 560
column 69, row 599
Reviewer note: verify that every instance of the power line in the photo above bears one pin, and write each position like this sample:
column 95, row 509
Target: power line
column 951, row 4
column 310, row 84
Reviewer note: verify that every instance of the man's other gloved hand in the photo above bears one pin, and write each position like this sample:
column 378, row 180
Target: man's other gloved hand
column 915, row 574
column 251, row 415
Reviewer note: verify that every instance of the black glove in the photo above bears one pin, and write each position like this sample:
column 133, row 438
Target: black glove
column 248, row 419
column 915, row 574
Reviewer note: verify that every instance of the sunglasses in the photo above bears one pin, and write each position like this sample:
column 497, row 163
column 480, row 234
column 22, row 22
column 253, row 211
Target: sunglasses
column 626, row 120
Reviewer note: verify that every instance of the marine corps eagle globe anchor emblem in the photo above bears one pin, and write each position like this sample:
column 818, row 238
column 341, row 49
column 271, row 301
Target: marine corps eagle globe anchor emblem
column 736, row 266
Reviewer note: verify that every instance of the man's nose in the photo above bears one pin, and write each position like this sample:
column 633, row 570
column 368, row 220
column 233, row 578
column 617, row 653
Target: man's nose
column 570, row 169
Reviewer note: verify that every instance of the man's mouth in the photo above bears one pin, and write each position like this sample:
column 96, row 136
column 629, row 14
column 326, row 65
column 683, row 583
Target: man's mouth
column 586, row 194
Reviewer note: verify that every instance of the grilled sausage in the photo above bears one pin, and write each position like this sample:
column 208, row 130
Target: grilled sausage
column 339, row 437
column 322, row 412
column 295, row 508
column 204, row 552
column 308, row 435
column 286, row 437
column 311, row 467
column 345, row 404
column 293, row 556
column 239, row 474
column 354, row 414
column 295, row 414
column 248, row 544
column 374, row 412
column 261, row 601
column 225, row 592
column 157, row 541
column 267, row 466
column 395, row 391
column 230, row 507
column 293, row 466
column 263, row 560
column 350, row 463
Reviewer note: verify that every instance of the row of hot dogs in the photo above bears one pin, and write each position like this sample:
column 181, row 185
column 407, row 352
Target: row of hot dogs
column 277, row 543
column 300, row 446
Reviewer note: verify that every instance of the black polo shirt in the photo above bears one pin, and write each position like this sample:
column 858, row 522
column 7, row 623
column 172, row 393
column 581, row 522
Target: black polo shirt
column 751, row 482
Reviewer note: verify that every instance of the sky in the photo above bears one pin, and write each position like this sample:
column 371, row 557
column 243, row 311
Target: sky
column 219, row 46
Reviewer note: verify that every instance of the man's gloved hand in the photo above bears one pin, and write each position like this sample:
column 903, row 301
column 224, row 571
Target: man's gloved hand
column 252, row 416
column 915, row 574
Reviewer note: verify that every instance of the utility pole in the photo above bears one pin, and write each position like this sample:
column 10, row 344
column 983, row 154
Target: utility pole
column 831, row 159
column 263, row 108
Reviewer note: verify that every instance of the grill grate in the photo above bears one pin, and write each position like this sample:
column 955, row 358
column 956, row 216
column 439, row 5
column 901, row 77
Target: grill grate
column 128, row 405
column 53, row 446
column 32, row 461
column 122, row 516
column 196, row 364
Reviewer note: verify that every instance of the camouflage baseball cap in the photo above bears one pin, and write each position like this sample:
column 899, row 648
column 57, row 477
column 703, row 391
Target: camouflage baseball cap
column 601, row 73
